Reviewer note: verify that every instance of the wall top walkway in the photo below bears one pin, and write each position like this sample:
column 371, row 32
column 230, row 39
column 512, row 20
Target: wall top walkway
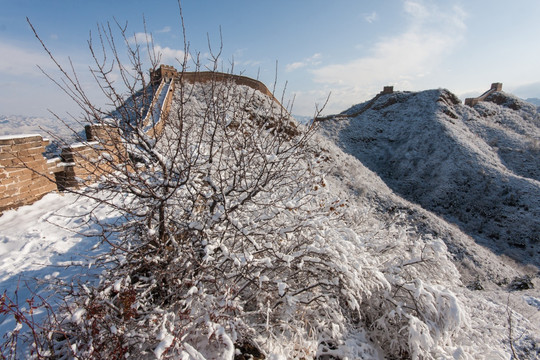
column 169, row 72
column 494, row 88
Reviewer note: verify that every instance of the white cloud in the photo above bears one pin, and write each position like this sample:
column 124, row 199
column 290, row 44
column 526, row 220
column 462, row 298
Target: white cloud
column 310, row 61
column 295, row 65
column 250, row 63
column 140, row 38
column 16, row 60
column 314, row 59
column 370, row 18
column 25, row 90
column 431, row 34
column 168, row 55
column 416, row 9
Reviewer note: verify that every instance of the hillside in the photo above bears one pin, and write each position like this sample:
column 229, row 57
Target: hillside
column 283, row 244
column 58, row 131
column 477, row 167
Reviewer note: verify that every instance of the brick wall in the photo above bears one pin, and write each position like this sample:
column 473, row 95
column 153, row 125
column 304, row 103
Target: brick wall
column 80, row 162
column 25, row 174
column 473, row 101
column 83, row 163
column 207, row 76
column 165, row 110
column 167, row 72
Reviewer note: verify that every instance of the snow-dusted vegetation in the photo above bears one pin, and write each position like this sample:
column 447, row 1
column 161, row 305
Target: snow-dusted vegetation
column 237, row 232
column 477, row 167
column 266, row 238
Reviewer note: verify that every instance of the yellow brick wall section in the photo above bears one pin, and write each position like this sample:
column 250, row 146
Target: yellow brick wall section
column 23, row 171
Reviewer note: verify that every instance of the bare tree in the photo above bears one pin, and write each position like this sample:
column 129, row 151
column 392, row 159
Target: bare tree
column 227, row 237
column 224, row 231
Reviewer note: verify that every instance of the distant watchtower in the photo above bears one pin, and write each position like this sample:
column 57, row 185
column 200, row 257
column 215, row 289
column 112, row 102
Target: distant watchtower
column 388, row 90
column 496, row 86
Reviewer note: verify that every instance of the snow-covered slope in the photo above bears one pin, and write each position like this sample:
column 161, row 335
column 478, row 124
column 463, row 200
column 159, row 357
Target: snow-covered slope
column 19, row 124
column 441, row 294
column 32, row 246
column 60, row 132
column 477, row 167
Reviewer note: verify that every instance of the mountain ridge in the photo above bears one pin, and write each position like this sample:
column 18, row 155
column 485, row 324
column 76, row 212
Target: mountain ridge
column 400, row 252
column 475, row 166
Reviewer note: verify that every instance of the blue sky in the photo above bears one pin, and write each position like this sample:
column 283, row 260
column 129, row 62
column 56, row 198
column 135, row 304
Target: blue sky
column 349, row 48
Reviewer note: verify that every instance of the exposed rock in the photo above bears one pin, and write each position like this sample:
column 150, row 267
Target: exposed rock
column 521, row 283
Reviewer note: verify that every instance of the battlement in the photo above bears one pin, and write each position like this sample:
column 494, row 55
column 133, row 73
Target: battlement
column 496, row 86
column 168, row 72
column 388, row 90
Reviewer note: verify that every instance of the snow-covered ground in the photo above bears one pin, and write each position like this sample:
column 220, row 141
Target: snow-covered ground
column 43, row 240
column 463, row 288
column 485, row 278
column 46, row 243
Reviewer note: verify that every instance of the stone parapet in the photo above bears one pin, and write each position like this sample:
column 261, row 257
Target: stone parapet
column 24, row 171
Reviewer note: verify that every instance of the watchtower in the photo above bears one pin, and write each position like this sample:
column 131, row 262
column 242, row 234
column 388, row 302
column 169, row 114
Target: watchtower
column 166, row 72
column 496, row 86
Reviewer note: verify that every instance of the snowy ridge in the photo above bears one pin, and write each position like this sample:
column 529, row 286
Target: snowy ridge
column 60, row 132
column 416, row 286
column 477, row 167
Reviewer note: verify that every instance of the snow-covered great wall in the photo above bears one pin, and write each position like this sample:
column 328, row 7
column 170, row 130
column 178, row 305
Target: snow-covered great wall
column 26, row 175
column 372, row 254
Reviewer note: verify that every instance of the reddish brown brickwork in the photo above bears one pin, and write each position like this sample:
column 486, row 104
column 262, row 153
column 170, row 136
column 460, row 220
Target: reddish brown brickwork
column 25, row 174
column 167, row 72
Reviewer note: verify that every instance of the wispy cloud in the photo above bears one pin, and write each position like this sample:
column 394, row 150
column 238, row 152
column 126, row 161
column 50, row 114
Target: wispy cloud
column 371, row 17
column 166, row 29
column 140, row 38
column 26, row 60
column 247, row 63
column 295, row 65
column 432, row 32
column 166, row 54
column 310, row 61
column 143, row 37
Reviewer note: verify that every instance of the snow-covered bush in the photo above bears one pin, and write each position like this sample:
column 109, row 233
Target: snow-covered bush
column 230, row 239
column 230, row 236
